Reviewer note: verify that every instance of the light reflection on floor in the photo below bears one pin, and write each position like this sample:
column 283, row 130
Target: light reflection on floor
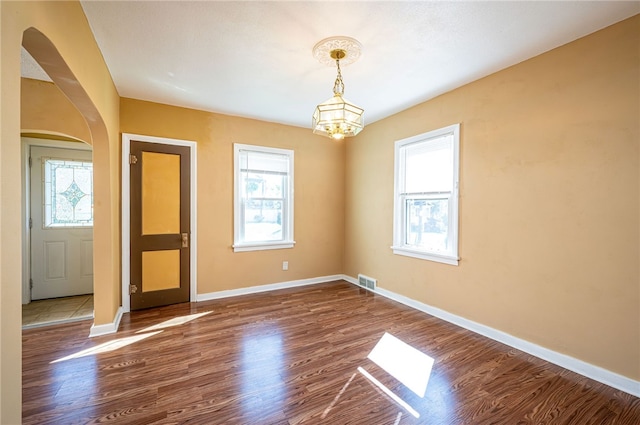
column 389, row 393
column 86, row 380
column 176, row 321
column 262, row 359
column 123, row 342
column 440, row 400
column 337, row 397
column 406, row 364
column 107, row 346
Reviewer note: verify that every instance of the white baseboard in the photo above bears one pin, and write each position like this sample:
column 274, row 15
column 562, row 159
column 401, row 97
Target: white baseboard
column 265, row 288
column 596, row 373
column 107, row 328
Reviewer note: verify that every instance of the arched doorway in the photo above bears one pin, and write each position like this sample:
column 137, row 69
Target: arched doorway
column 57, row 242
column 57, row 234
column 105, row 253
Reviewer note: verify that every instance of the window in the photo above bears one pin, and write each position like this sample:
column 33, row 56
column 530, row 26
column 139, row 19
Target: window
column 426, row 196
column 263, row 198
column 67, row 192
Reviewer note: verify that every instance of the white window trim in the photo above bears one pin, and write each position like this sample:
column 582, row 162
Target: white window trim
column 261, row 246
column 399, row 247
column 287, row 225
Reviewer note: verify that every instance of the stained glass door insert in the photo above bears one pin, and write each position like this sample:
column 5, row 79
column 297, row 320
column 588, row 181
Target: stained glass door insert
column 68, row 193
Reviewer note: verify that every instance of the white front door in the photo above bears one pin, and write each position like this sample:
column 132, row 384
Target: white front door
column 61, row 187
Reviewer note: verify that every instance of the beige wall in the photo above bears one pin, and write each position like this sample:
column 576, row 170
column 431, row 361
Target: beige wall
column 319, row 194
column 549, row 226
column 58, row 36
column 45, row 109
column 549, row 218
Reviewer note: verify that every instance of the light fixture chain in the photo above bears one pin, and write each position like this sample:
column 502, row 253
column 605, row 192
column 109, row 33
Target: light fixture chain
column 338, row 86
column 337, row 118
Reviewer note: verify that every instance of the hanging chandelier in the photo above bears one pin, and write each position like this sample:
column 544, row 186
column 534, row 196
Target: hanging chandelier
column 337, row 117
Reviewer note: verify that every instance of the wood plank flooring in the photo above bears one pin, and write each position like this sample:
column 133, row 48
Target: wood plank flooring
column 296, row 356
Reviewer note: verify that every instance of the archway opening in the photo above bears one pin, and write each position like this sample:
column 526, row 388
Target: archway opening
column 94, row 134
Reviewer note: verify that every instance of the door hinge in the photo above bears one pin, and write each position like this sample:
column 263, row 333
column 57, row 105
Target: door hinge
column 133, row 289
column 30, row 222
column 133, row 159
column 30, row 283
column 30, row 162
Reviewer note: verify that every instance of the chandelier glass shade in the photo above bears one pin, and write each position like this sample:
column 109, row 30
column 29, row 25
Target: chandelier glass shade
column 337, row 117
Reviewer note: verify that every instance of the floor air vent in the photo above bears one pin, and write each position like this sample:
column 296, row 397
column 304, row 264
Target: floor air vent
column 367, row 282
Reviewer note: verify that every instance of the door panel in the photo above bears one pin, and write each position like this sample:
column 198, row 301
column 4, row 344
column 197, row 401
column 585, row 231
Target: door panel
column 160, row 193
column 160, row 270
column 55, row 260
column 86, row 256
column 61, row 212
column 160, row 220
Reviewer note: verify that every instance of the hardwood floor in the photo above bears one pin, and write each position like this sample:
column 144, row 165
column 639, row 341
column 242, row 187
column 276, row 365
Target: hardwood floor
column 298, row 356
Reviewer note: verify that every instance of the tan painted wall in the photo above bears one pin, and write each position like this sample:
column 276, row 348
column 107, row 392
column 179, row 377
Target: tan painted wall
column 58, row 34
column 45, row 109
column 549, row 199
column 319, row 194
column 549, row 218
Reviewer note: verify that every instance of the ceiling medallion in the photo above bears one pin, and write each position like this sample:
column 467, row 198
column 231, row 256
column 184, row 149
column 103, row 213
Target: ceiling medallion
column 337, row 118
column 351, row 47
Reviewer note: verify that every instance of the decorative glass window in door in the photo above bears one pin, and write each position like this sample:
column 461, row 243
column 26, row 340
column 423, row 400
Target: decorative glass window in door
column 68, row 193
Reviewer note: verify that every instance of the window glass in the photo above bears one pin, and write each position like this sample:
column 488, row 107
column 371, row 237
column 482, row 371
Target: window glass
column 428, row 169
column 263, row 198
column 426, row 196
column 68, row 193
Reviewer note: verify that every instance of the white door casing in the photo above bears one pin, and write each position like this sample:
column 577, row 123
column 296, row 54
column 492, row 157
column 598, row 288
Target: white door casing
column 127, row 138
column 61, row 231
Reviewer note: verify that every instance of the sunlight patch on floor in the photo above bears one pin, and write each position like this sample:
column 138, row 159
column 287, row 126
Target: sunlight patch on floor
column 144, row 333
column 405, row 363
column 389, row 393
column 408, row 365
column 398, row 418
column 176, row 321
column 107, row 346
column 335, row 399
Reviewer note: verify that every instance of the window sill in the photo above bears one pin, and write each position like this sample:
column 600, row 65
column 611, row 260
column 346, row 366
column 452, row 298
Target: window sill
column 423, row 255
column 261, row 246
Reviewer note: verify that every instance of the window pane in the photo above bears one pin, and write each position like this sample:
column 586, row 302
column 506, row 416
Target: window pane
column 425, row 207
column 263, row 220
column 427, row 224
column 260, row 185
column 263, row 198
column 429, row 166
column 68, row 193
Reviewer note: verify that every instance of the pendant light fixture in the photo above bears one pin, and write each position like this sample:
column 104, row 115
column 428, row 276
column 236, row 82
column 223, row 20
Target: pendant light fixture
column 337, row 117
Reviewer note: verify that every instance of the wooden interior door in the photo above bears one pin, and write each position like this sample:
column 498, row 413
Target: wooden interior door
column 160, row 224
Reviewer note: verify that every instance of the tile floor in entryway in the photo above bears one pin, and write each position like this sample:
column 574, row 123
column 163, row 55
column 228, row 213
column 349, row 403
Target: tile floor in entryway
column 57, row 310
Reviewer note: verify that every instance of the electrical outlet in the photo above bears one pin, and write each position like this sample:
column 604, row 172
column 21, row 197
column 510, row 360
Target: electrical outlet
column 285, row 265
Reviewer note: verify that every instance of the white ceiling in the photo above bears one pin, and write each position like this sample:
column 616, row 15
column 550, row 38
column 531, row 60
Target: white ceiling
column 253, row 59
